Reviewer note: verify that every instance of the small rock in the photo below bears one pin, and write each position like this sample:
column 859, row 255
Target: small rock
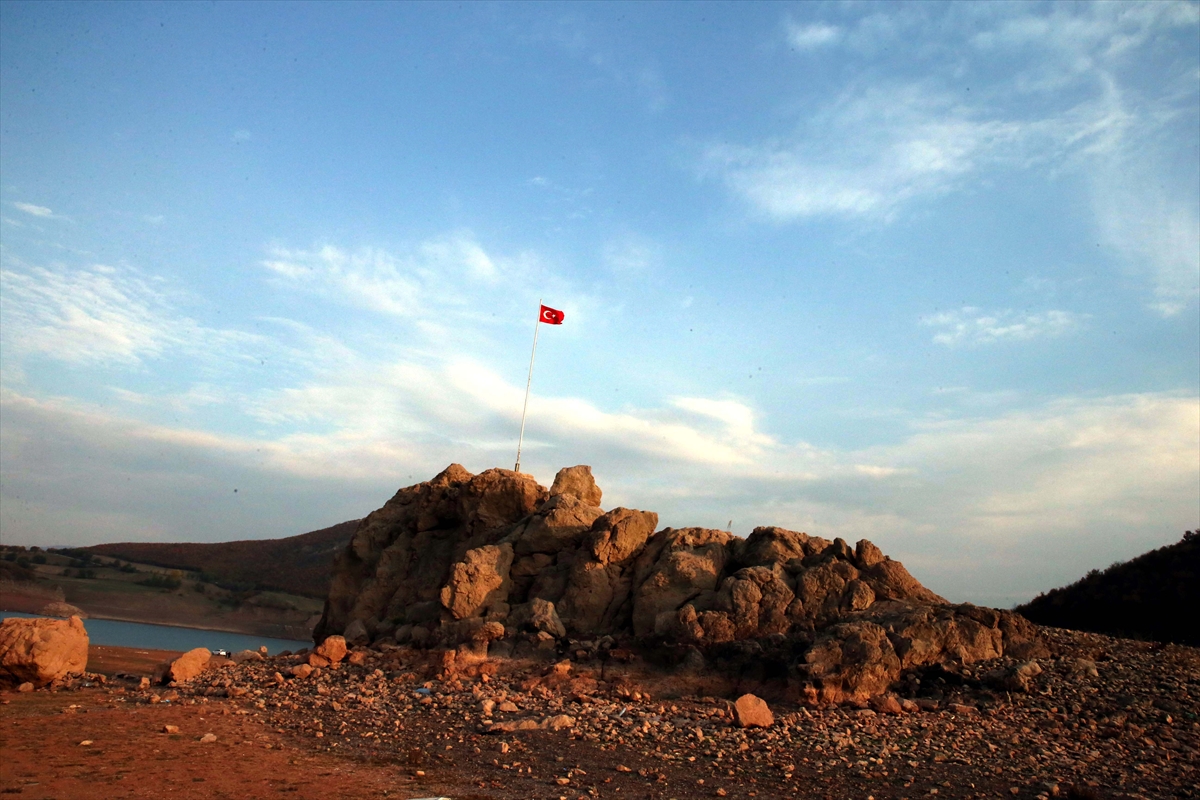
column 170, row 729
column 242, row 656
column 753, row 712
column 886, row 704
column 208, row 738
column 25, row 687
column 333, row 649
column 85, row 742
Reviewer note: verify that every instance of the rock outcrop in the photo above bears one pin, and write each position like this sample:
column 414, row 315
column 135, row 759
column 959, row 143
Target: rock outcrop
column 38, row 651
column 61, row 609
column 472, row 563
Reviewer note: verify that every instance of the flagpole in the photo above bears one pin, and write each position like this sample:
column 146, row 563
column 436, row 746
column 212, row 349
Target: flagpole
column 536, row 327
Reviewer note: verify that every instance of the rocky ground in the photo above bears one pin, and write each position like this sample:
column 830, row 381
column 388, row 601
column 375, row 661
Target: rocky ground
column 1105, row 718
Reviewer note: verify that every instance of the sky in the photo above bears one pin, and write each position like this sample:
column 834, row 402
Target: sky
column 922, row 273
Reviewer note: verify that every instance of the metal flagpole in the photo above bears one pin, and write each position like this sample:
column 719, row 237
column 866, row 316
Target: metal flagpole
column 536, row 327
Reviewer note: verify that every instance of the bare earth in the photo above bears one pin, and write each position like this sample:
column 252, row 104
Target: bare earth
column 1107, row 718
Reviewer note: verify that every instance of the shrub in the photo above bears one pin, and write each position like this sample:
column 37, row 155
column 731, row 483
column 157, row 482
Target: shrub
column 161, row 582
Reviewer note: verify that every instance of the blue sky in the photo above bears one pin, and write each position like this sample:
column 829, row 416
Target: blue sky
column 921, row 273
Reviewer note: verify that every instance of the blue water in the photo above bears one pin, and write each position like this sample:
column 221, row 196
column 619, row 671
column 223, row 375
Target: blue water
column 170, row 637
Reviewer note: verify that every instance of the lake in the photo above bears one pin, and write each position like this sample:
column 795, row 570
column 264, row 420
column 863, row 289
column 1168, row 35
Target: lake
column 171, row 637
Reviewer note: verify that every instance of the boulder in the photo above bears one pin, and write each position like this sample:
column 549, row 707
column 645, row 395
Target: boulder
column 39, row 651
column 772, row 545
column 333, row 649
column 356, row 633
column 577, row 482
column 537, row 615
column 187, row 666
column 478, row 582
column 620, row 534
column 756, row 601
column 242, row 656
column 676, row 566
column 752, row 712
column 851, row 661
column 561, row 522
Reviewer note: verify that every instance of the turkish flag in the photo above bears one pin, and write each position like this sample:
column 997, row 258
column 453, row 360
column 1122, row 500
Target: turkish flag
column 551, row 316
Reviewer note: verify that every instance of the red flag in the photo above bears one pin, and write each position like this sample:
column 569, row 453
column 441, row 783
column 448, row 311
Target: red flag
column 552, row 316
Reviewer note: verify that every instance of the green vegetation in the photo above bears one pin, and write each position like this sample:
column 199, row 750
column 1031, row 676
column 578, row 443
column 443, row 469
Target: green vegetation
column 298, row 565
column 161, row 582
column 1152, row 597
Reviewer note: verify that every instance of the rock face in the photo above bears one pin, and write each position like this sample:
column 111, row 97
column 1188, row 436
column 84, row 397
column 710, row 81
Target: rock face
column 38, row 651
column 466, row 562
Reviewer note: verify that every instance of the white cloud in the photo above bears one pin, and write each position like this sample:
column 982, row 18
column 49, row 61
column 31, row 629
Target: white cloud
column 812, row 36
column 1145, row 214
column 117, row 317
column 864, row 155
column 88, row 315
column 631, row 255
column 1023, row 500
column 971, row 325
column 877, row 149
column 30, row 208
column 427, row 281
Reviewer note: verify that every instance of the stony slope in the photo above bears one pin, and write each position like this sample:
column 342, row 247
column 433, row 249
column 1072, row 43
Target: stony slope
column 495, row 564
column 296, row 564
column 1148, row 597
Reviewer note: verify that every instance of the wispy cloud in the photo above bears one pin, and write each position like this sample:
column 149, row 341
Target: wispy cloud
column 970, row 325
column 434, row 273
column 1070, row 101
column 878, row 148
column 34, row 210
column 812, row 35
column 104, row 315
column 96, row 314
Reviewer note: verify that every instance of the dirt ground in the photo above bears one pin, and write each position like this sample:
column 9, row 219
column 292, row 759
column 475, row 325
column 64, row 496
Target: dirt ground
column 84, row 744
column 1126, row 729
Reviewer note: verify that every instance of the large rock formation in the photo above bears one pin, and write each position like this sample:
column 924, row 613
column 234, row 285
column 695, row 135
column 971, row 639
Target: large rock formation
column 467, row 562
column 39, row 651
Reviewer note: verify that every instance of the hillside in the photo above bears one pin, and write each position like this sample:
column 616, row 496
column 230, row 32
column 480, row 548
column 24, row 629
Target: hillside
column 299, row 565
column 1152, row 597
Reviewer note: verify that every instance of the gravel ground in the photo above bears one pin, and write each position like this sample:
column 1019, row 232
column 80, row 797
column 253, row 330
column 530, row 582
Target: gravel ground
column 1104, row 718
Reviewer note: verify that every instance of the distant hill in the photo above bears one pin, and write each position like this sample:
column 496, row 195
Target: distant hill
column 1154, row 597
column 299, row 565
